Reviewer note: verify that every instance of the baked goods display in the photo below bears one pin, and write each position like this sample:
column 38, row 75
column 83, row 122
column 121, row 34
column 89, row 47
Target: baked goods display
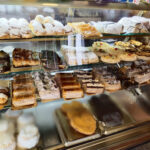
column 85, row 29
column 24, row 58
column 106, row 111
column 14, row 28
column 47, row 87
column 80, row 119
column 78, row 55
column 70, row 87
column 4, row 62
column 23, row 91
column 89, row 83
column 51, row 60
column 42, row 26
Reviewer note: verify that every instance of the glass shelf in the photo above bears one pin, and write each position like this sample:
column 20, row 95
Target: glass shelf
column 65, row 38
column 77, row 4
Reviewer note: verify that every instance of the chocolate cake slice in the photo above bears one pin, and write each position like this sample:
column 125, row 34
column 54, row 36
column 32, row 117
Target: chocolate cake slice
column 51, row 60
column 106, row 111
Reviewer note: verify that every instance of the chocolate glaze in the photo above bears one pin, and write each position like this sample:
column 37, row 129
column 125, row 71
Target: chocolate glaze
column 106, row 111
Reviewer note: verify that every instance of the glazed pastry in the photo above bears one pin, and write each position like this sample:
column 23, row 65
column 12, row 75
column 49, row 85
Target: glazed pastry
column 79, row 117
column 23, row 57
column 84, row 29
column 106, row 111
column 3, row 98
column 7, row 142
column 28, row 137
column 4, row 28
column 112, row 59
column 24, row 120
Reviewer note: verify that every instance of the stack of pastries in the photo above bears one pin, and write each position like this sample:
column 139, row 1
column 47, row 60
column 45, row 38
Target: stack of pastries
column 89, row 83
column 70, row 87
column 47, row 86
column 78, row 55
column 23, row 91
column 24, row 57
column 42, row 26
column 85, row 29
column 138, row 72
column 80, row 119
column 14, row 28
column 109, row 80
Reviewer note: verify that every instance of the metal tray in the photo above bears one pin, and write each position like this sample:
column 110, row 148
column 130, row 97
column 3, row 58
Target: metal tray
column 128, row 122
column 128, row 102
column 68, row 135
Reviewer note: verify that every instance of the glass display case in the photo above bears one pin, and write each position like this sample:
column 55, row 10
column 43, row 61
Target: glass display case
column 74, row 74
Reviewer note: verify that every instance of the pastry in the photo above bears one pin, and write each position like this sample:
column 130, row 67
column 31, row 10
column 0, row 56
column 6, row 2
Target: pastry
column 28, row 137
column 84, row 29
column 37, row 28
column 72, row 93
column 23, row 91
column 24, row 28
column 51, row 61
column 70, row 85
column 79, row 118
column 24, row 120
column 7, row 126
column 23, row 57
column 106, row 111
column 4, row 28
column 4, row 62
column 108, row 27
column 47, row 87
column 112, row 59
column 7, row 141
column 127, row 56
column 3, row 98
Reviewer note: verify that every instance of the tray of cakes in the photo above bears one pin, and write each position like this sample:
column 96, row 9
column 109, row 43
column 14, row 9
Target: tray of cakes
column 23, row 92
column 69, row 85
column 47, row 87
column 52, row 61
column 5, row 99
column 110, row 117
column 76, row 124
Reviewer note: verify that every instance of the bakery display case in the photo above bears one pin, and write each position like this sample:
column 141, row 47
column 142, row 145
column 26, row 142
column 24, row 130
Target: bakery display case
column 74, row 74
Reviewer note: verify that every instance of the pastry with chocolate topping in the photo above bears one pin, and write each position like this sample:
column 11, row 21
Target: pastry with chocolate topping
column 106, row 111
